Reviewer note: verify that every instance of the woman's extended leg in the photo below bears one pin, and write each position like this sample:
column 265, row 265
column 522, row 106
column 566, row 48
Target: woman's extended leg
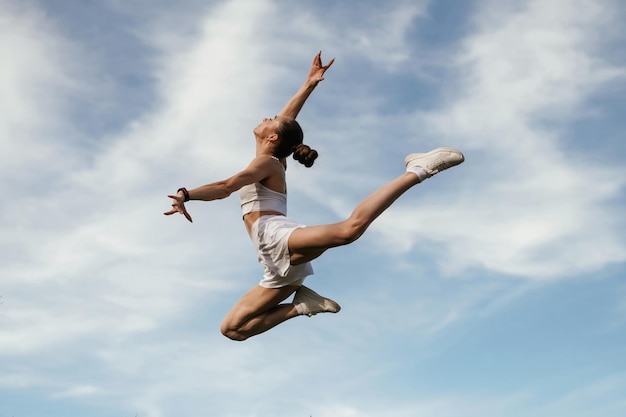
column 307, row 243
column 257, row 311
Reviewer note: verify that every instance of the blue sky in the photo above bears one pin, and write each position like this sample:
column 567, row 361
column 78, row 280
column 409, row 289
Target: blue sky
column 494, row 289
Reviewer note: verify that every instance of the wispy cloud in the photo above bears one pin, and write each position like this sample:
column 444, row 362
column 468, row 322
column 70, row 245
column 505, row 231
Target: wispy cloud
column 526, row 202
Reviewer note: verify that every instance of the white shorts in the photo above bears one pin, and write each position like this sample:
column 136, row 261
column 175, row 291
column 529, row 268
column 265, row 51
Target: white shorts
column 270, row 235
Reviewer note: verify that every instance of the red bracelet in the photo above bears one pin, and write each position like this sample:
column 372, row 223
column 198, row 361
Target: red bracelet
column 185, row 193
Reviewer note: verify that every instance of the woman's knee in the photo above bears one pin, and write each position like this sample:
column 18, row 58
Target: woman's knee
column 232, row 331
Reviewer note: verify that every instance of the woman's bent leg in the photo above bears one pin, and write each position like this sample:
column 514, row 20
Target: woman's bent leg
column 307, row 243
column 258, row 311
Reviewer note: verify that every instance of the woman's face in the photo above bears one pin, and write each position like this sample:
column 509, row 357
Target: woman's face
column 267, row 127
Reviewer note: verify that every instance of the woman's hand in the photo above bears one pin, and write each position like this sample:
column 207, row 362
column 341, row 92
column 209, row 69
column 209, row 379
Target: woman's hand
column 178, row 206
column 316, row 74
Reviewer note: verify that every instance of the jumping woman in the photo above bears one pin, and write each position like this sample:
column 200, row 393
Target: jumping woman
column 285, row 247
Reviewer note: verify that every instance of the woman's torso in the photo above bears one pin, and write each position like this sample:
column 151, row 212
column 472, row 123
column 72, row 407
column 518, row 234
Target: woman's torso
column 268, row 197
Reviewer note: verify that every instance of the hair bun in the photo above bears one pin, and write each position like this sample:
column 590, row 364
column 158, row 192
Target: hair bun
column 305, row 155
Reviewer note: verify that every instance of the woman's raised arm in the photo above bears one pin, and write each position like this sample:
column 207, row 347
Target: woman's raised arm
column 316, row 74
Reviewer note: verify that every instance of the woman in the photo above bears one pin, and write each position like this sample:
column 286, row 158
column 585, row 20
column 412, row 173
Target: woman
column 286, row 248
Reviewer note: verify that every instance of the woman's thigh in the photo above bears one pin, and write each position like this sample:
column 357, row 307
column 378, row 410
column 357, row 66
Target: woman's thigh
column 307, row 243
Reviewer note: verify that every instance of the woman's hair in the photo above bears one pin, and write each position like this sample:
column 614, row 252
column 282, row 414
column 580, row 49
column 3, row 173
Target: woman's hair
column 290, row 141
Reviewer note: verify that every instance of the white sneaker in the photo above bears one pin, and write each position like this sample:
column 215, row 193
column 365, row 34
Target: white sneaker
column 435, row 161
column 313, row 303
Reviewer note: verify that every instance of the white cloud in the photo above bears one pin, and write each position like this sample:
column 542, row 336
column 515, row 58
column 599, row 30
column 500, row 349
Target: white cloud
column 525, row 202
column 39, row 81
column 88, row 235
column 78, row 391
column 381, row 37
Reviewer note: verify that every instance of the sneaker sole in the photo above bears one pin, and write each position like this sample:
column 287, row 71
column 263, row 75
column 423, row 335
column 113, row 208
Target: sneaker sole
column 448, row 164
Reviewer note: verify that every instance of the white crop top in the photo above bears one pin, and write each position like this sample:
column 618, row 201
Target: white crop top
column 257, row 197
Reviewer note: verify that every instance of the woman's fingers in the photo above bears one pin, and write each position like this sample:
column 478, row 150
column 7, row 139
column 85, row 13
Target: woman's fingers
column 317, row 59
column 178, row 207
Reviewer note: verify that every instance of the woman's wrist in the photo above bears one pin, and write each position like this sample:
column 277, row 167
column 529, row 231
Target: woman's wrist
column 185, row 193
column 312, row 83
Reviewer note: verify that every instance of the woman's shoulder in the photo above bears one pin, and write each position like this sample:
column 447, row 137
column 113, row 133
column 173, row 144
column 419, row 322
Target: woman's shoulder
column 274, row 172
column 269, row 162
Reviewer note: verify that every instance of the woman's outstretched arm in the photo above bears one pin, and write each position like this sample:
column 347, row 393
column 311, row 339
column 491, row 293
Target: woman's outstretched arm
column 316, row 74
column 260, row 168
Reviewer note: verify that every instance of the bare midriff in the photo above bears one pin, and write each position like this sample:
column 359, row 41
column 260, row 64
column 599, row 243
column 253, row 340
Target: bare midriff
column 251, row 217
